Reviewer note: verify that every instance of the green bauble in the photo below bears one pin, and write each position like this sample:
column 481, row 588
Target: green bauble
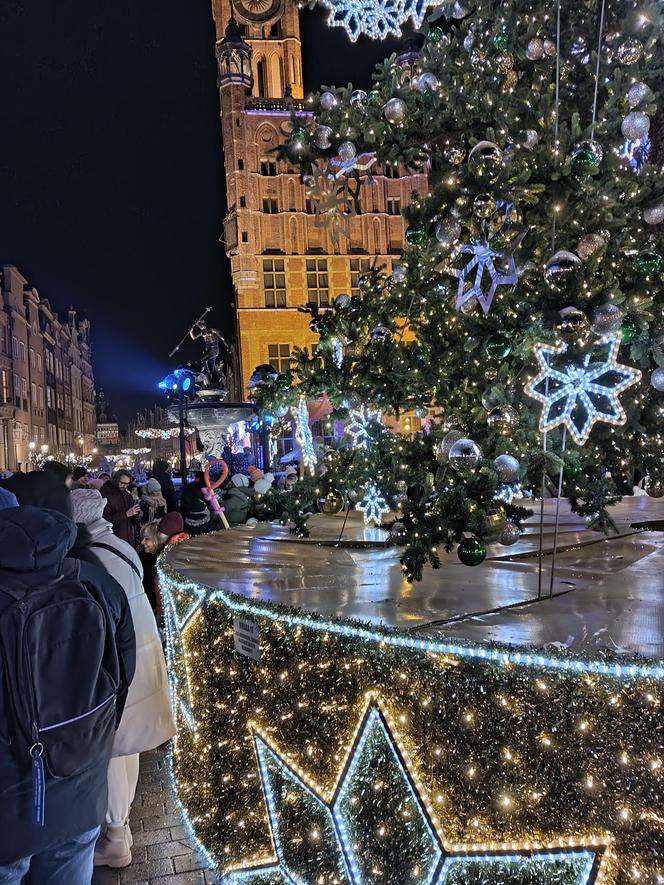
column 584, row 162
column 373, row 98
column 501, row 39
column 647, row 263
column 283, row 382
column 471, row 551
column 628, row 330
column 416, row 234
column 435, row 35
column 299, row 133
column 498, row 347
column 421, row 354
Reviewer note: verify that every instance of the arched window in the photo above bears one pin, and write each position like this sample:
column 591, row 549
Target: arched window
column 282, row 81
column 261, row 78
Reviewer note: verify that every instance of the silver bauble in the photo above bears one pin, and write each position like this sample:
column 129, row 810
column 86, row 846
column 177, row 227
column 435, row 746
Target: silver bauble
column 332, row 503
column 579, row 50
column 493, row 524
column 507, row 468
column 469, row 40
column 637, row 93
column 530, row 139
column 485, row 162
column 635, row 125
column 491, row 398
column 427, row 82
column 448, row 232
column 503, row 419
column 549, row 47
column 399, row 273
column 395, row 111
column 469, row 307
column 591, row 145
column 328, row 101
column 322, row 137
column 342, row 301
column 465, row 454
column 561, row 269
column 358, row 98
column 606, row 319
column 381, row 334
column 347, row 151
column 630, row 51
column 535, row 49
column 657, row 379
column 510, row 534
column 399, row 533
column 421, row 412
column 281, row 411
column 588, row 244
column 451, row 437
column 484, row 205
column 655, row 489
column 459, row 10
column 654, row 214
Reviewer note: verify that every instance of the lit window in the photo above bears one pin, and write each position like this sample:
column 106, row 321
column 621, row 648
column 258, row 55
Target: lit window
column 394, row 205
column 274, row 282
column 278, row 356
column 358, row 267
column 318, row 292
column 268, row 167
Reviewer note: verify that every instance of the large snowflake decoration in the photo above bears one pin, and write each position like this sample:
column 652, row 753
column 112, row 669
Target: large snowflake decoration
column 373, row 505
column 576, row 392
column 376, row 18
column 488, row 266
column 303, row 435
column 333, row 202
column 360, row 423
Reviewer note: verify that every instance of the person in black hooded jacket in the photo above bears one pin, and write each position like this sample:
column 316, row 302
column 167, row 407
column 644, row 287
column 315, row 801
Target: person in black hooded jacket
column 34, row 542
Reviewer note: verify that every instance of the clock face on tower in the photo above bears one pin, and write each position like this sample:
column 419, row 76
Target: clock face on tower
column 258, row 11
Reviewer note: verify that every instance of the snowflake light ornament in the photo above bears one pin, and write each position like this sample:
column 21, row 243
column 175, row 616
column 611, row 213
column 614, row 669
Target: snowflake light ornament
column 360, row 163
column 303, row 436
column 373, row 505
column 578, row 392
column 334, row 204
column 360, row 421
column 375, row 18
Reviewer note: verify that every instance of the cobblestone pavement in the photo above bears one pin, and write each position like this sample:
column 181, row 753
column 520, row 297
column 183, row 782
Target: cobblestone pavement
column 163, row 853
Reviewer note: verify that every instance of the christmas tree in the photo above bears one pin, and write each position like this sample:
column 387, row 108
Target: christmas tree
column 524, row 322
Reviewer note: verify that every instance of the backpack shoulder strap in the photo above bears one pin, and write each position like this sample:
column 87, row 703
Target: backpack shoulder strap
column 119, row 553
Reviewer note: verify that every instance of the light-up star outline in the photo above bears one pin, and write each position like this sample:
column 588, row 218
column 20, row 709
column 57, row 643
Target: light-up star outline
column 441, row 863
column 303, row 435
column 577, row 396
column 373, row 505
column 483, row 262
column 358, row 427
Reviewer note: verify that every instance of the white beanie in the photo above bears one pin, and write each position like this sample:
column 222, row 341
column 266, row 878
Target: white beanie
column 87, row 505
column 240, row 480
column 263, row 485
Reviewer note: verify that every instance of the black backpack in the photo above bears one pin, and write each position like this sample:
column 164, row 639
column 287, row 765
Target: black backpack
column 61, row 676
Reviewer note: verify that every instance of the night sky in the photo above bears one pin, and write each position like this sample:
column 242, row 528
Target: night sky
column 111, row 172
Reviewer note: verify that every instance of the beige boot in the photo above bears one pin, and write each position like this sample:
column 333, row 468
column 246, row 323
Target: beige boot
column 113, row 848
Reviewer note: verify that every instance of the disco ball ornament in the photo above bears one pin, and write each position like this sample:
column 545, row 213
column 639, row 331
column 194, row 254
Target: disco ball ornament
column 448, row 232
column 281, row 411
column 395, row 111
column 347, row 151
column 342, row 301
column 503, row 419
column 399, row 533
column 654, row 214
column 491, row 398
column 445, row 445
column 591, row 146
column 530, row 139
column 417, row 235
column 579, row 50
column 510, row 81
column 465, row 454
column 647, row 262
column 358, row 98
column 635, row 125
column 427, row 82
column 507, row 468
column 498, row 347
column 584, row 161
column 332, row 503
column 471, row 551
column 484, row 205
column 573, row 323
column 502, row 38
column 435, row 35
column 485, row 162
column 588, row 244
column 504, row 62
column 493, row 524
column 374, row 98
column 322, row 137
column 399, row 273
column 510, row 534
column 549, row 47
column 328, row 101
column 381, row 334
column 629, row 51
column 454, row 154
column 535, row 49
column 562, row 269
column 606, row 320
column 628, row 330
column 637, row 93
column 657, row 379
column 655, row 489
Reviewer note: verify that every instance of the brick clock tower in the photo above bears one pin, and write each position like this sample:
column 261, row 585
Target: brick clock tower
column 279, row 259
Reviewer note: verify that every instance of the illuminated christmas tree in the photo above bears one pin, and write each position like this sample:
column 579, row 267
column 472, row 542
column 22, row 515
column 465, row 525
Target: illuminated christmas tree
column 524, row 324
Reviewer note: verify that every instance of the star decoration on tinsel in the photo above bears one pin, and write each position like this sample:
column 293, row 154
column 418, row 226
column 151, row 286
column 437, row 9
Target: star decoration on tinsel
column 577, row 392
column 359, row 163
column 373, row 505
column 334, row 204
column 491, row 266
column 303, row 435
column 360, row 423
column 336, row 835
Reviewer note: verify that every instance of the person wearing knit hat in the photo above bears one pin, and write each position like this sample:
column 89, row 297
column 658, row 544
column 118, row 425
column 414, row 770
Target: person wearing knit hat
column 146, row 721
column 264, row 484
column 153, row 504
column 159, row 533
